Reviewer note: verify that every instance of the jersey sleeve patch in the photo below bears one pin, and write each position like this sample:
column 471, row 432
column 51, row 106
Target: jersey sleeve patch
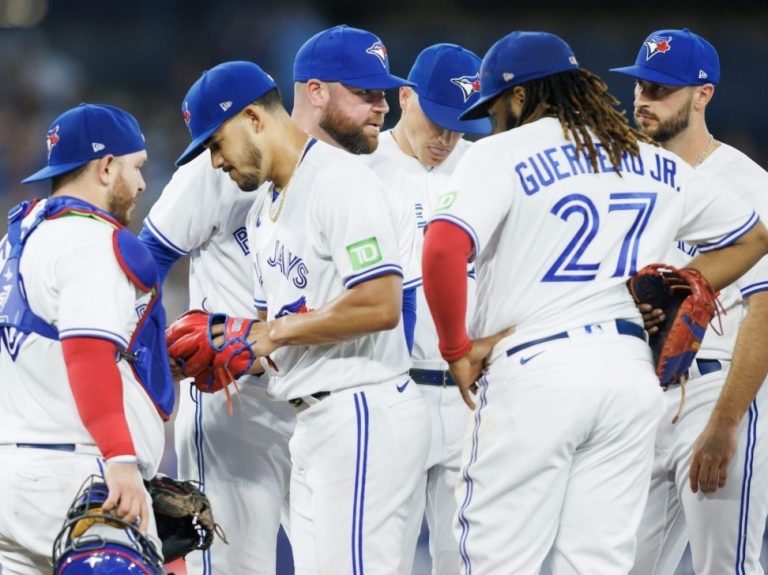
column 364, row 254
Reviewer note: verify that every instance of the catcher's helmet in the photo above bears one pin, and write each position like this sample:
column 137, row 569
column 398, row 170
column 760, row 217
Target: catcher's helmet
column 92, row 542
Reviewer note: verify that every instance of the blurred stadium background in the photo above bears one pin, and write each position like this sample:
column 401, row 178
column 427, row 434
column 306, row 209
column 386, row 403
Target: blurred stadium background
column 143, row 55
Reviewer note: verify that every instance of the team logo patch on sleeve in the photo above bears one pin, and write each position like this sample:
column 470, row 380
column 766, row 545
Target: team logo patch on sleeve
column 364, row 253
column 445, row 200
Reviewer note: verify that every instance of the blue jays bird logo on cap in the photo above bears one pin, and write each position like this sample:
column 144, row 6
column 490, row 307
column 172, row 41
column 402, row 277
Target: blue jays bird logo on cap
column 468, row 85
column 51, row 139
column 657, row 45
column 380, row 51
column 187, row 114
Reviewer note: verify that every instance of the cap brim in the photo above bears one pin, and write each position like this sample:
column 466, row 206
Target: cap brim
column 53, row 171
column 196, row 147
column 377, row 82
column 480, row 108
column 447, row 117
column 650, row 75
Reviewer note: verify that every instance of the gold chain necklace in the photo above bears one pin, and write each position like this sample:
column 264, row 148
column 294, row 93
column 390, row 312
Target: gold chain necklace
column 706, row 150
column 284, row 192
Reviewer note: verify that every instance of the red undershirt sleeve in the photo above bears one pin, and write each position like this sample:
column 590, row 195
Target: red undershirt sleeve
column 447, row 248
column 98, row 390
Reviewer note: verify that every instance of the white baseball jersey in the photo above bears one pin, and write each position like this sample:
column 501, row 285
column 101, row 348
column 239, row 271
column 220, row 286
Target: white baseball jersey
column 201, row 213
column 241, row 459
column 725, row 531
column 396, row 189
column 424, row 184
column 749, row 182
column 74, row 282
column 331, row 234
column 591, row 232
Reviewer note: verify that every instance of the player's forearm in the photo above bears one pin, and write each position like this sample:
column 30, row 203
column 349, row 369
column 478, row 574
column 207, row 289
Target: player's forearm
column 723, row 267
column 444, row 273
column 749, row 366
column 371, row 306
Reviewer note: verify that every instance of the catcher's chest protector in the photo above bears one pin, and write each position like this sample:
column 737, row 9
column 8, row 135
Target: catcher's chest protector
column 146, row 351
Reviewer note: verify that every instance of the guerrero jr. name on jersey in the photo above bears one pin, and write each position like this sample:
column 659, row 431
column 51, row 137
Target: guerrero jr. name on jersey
column 553, row 164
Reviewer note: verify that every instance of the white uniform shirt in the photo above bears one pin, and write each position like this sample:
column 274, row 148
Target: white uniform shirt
column 202, row 212
column 424, row 185
column 555, row 243
column 742, row 176
column 334, row 231
column 396, row 190
column 74, row 282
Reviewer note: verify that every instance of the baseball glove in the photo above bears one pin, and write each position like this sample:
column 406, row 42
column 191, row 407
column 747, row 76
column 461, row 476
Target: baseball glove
column 192, row 344
column 183, row 516
column 689, row 304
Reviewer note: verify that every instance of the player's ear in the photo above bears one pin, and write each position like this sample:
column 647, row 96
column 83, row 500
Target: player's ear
column 106, row 169
column 702, row 96
column 518, row 95
column 256, row 116
column 404, row 95
column 318, row 93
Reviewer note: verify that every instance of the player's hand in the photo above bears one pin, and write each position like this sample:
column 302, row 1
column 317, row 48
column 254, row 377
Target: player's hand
column 468, row 369
column 127, row 496
column 175, row 369
column 712, row 455
column 652, row 317
column 258, row 337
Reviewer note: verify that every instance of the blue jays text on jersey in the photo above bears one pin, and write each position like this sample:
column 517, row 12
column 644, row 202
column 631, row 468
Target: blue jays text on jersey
column 290, row 265
column 558, row 163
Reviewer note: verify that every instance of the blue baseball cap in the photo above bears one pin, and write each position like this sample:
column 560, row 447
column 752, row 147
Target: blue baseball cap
column 516, row 59
column 351, row 56
column 676, row 58
column 219, row 94
column 85, row 133
column 447, row 80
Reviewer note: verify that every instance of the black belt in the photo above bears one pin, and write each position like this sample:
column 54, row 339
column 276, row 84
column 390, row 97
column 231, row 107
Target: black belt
column 623, row 326
column 54, row 446
column 298, row 402
column 432, row 377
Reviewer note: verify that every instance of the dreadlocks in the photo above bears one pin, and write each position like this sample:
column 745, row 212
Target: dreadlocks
column 583, row 104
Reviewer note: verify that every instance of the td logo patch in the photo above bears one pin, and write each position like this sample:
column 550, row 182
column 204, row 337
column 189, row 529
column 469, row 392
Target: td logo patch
column 364, row 253
column 446, row 200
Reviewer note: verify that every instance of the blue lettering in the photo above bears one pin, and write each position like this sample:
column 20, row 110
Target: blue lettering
column 574, row 161
column 529, row 184
column 292, row 267
column 670, row 169
column 555, row 164
column 602, row 160
column 241, row 237
column 550, row 178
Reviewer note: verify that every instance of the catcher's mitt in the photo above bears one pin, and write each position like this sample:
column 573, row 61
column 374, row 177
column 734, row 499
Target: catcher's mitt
column 183, row 516
column 689, row 304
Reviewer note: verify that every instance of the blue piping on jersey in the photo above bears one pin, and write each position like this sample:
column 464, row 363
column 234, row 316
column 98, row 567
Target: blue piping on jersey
column 157, row 234
column 468, row 479
column 361, row 469
column 746, row 489
column 197, row 397
column 751, row 289
column 97, row 333
column 373, row 273
column 733, row 236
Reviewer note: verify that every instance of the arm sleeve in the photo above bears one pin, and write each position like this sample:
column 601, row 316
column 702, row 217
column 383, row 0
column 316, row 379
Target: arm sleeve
column 409, row 316
column 447, row 247
column 98, row 391
column 164, row 256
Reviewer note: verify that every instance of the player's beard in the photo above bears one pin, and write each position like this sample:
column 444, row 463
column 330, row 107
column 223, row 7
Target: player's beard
column 251, row 181
column 121, row 201
column 668, row 129
column 345, row 133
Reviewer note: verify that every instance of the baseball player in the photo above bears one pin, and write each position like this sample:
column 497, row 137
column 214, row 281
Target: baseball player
column 329, row 287
column 557, row 209
column 242, row 460
column 706, row 486
column 426, row 144
column 84, row 378
column 335, row 103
